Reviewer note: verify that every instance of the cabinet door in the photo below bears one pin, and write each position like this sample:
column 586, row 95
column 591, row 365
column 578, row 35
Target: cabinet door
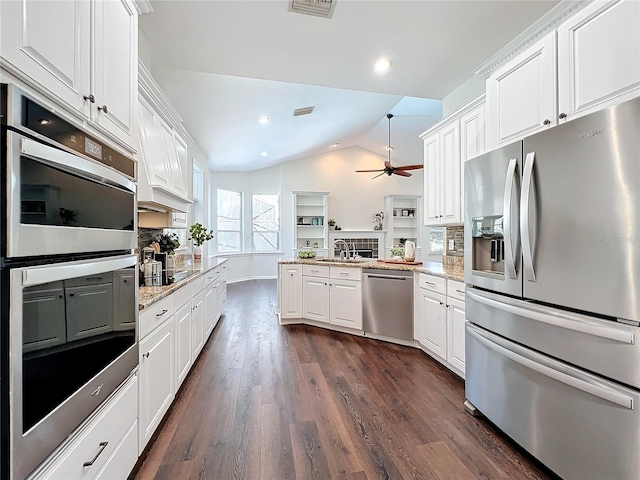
column 48, row 43
column 450, row 177
column 43, row 323
column 222, row 296
column 115, row 66
column 315, row 298
column 210, row 309
column 157, row 379
column 432, row 180
column 89, row 310
column 471, row 144
column 521, row 95
column 176, row 173
column 152, row 146
column 433, row 333
column 346, row 304
column 455, row 335
column 183, row 343
column 291, row 291
column 123, row 299
column 181, row 167
column 598, row 57
column 197, row 324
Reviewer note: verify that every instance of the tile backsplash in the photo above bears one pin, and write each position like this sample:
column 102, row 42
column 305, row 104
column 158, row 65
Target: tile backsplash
column 457, row 235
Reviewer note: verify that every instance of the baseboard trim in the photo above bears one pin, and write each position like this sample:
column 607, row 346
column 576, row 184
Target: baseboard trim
column 246, row 279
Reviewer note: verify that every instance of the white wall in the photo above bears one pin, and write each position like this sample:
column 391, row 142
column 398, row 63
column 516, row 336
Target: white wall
column 353, row 198
column 463, row 94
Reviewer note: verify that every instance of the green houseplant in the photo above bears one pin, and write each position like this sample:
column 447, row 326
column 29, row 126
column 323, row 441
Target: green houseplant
column 199, row 235
column 168, row 242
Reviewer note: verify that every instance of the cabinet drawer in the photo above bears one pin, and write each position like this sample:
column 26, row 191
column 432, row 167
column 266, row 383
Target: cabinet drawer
column 433, row 283
column 155, row 315
column 455, row 290
column 124, row 458
column 346, row 273
column 211, row 276
column 99, row 439
column 183, row 295
column 315, row 271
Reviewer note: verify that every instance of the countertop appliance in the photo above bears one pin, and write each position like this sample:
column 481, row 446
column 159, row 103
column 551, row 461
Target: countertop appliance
column 69, row 304
column 552, row 253
column 387, row 303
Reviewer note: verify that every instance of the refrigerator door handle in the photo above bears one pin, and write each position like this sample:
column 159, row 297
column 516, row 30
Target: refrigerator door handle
column 527, row 254
column 509, row 256
column 556, row 319
column 596, row 390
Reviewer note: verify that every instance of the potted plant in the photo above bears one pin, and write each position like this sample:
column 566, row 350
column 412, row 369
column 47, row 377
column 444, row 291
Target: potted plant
column 377, row 219
column 199, row 235
column 397, row 253
column 168, row 242
column 332, row 223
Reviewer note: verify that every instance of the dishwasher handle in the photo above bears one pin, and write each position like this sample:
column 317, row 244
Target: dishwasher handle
column 388, row 277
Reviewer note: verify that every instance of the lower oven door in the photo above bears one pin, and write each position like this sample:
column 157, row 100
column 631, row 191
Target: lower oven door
column 72, row 340
column 579, row 425
column 61, row 203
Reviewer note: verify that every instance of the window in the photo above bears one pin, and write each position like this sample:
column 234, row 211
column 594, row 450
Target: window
column 229, row 222
column 436, row 240
column 265, row 222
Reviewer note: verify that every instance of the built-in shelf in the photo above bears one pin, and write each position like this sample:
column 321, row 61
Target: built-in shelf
column 401, row 226
column 310, row 221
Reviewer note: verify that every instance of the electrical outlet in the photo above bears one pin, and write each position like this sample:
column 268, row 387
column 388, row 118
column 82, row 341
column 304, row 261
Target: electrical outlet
column 451, row 244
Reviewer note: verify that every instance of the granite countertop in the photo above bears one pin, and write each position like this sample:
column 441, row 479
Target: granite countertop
column 454, row 272
column 147, row 296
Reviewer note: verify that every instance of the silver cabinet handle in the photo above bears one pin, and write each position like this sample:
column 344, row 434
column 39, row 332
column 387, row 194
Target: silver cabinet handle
column 546, row 121
column 430, row 283
column 527, row 254
column 104, row 109
column 145, row 355
column 460, row 291
column 209, row 278
column 557, row 319
column 90, row 98
column 102, row 446
column 562, row 115
column 507, row 220
column 161, row 313
column 344, row 273
column 604, row 393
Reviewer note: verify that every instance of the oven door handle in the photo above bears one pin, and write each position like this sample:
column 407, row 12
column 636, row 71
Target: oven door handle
column 64, row 271
column 74, row 164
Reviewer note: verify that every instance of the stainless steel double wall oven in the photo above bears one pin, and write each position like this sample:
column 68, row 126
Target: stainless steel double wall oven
column 68, row 334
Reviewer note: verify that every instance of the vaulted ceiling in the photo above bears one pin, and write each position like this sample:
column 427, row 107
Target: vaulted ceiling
column 223, row 64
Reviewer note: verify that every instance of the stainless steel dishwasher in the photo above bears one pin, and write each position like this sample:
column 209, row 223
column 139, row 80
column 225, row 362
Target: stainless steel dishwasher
column 387, row 302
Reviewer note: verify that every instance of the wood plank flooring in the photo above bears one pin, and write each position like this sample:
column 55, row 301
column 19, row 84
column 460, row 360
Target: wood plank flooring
column 298, row 402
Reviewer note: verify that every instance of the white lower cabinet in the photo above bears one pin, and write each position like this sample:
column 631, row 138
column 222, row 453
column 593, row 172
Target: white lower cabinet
column 455, row 334
column 197, row 324
column 346, row 303
column 106, row 447
column 210, row 308
column 433, row 319
column 290, row 291
column 157, row 379
column 315, row 298
column 183, row 319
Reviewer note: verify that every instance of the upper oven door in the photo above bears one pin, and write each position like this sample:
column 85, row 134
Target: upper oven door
column 61, row 203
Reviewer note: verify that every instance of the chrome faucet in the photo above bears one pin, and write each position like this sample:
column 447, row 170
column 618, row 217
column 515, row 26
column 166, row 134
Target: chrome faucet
column 335, row 242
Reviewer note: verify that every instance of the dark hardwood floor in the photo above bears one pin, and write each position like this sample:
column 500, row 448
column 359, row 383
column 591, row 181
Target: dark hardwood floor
column 298, row 402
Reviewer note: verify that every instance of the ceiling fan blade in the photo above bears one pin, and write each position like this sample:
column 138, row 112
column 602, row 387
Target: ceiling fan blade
column 401, row 173
column 410, row 167
column 378, row 170
column 377, row 176
column 387, row 164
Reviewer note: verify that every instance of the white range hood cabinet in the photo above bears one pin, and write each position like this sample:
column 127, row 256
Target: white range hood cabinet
column 162, row 158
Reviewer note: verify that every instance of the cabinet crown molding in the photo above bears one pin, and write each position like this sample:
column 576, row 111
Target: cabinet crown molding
column 152, row 93
column 143, row 6
column 476, row 102
column 548, row 22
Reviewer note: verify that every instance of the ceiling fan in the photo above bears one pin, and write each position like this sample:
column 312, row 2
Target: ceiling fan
column 388, row 168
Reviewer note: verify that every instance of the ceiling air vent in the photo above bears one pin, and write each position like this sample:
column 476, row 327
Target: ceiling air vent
column 302, row 111
column 318, row 8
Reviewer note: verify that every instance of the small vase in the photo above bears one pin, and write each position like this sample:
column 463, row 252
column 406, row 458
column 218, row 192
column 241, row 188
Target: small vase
column 197, row 254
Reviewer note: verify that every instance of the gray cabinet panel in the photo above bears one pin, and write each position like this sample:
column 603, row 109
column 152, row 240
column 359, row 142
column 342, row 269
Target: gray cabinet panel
column 89, row 310
column 44, row 319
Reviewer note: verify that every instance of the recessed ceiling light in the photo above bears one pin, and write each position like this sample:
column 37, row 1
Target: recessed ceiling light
column 264, row 154
column 382, row 66
column 388, row 147
column 335, row 144
column 263, row 120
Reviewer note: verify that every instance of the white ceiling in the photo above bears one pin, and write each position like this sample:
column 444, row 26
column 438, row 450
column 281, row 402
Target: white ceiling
column 225, row 63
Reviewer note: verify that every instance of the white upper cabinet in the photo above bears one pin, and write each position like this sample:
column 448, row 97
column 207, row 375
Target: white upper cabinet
column 115, row 62
column 80, row 53
column 447, row 145
column 521, row 95
column 598, row 57
column 151, row 145
column 589, row 62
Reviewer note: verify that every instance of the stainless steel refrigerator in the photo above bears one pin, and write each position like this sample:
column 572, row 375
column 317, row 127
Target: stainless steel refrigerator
column 552, row 253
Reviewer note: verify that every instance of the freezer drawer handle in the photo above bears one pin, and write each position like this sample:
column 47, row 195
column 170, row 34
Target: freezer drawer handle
column 509, row 254
column 558, row 320
column 527, row 253
column 595, row 390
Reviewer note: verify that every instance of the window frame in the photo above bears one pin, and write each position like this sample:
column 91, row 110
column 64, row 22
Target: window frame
column 444, row 239
column 240, row 231
column 278, row 222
